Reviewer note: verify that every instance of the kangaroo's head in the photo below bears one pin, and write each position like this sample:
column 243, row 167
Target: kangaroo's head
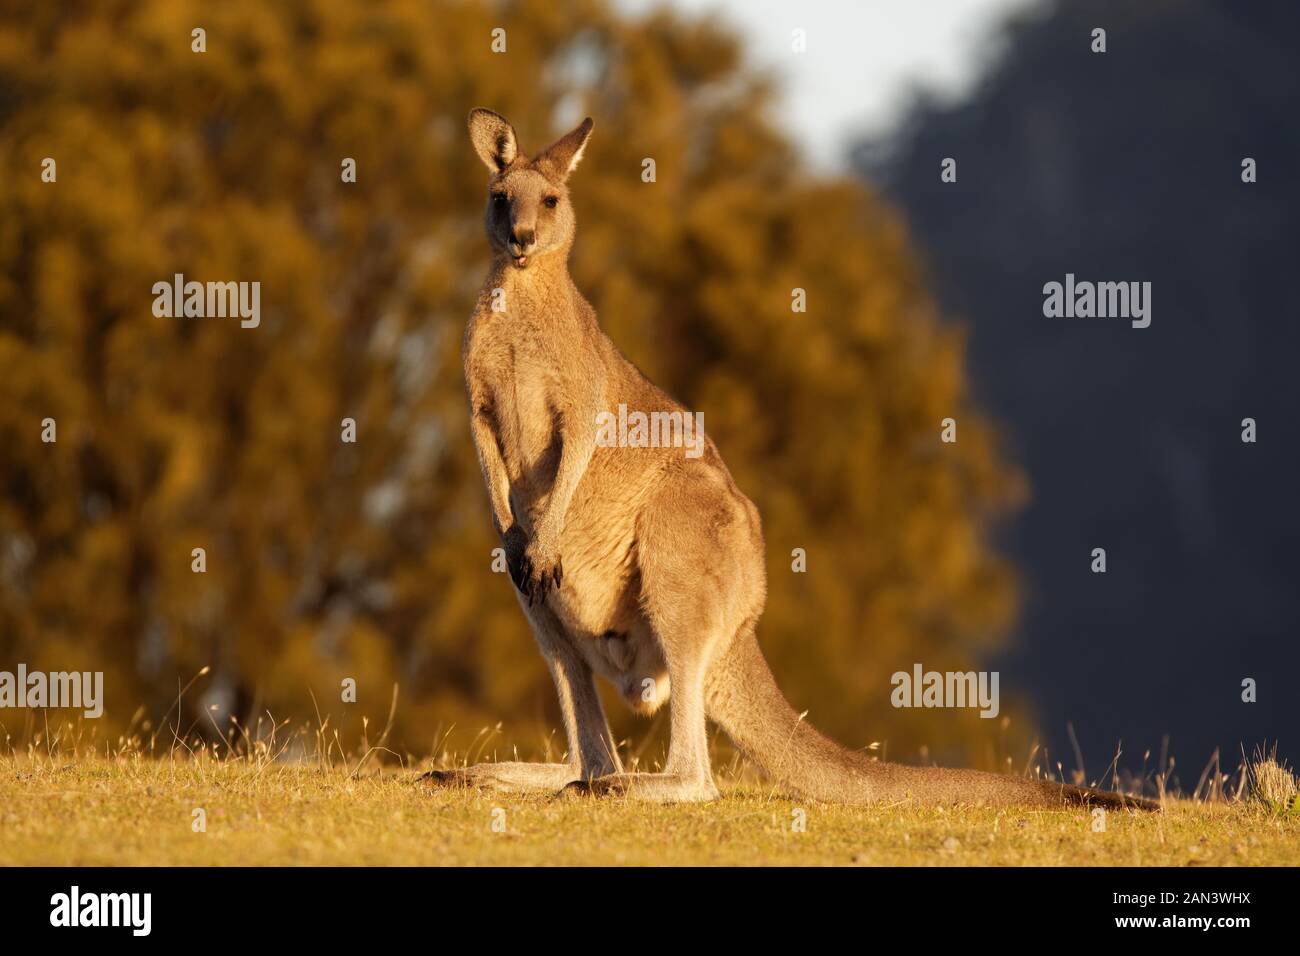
column 528, row 210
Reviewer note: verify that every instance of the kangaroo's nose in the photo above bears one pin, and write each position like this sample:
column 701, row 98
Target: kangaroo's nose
column 523, row 238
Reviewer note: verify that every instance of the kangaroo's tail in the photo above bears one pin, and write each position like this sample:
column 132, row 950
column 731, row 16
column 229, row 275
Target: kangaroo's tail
column 743, row 698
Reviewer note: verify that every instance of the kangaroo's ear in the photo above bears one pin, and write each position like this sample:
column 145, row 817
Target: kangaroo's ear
column 493, row 138
column 563, row 156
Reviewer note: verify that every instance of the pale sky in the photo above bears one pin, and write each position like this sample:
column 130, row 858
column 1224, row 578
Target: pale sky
column 863, row 56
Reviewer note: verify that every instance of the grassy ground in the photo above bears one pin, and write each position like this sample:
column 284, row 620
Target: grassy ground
column 136, row 810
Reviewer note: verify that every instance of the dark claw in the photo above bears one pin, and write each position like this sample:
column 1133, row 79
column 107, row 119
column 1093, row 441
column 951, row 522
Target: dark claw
column 443, row 778
column 596, row 787
column 523, row 581
column 576, row 788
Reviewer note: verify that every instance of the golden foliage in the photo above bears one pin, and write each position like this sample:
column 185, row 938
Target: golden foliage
column 371, row 560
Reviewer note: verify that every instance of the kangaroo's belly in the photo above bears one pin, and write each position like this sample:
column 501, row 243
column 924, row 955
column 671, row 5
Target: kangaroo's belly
column 601, row 587
column 599, row 603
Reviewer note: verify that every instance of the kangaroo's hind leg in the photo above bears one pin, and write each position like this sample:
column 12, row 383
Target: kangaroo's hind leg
column 687, row 775
column 591, row 746
column 696, row 554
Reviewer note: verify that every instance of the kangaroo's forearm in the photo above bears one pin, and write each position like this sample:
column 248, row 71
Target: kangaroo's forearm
column 494, row 472
column 578, row 445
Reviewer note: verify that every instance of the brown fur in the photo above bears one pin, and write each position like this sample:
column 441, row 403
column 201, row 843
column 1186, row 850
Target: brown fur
column 640, row 565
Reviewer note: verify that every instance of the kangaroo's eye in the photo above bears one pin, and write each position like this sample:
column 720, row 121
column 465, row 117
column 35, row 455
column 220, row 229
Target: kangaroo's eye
column 551, row 201
column 498, row 199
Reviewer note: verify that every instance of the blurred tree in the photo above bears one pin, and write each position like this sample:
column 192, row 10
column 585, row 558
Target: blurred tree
column 371, row 560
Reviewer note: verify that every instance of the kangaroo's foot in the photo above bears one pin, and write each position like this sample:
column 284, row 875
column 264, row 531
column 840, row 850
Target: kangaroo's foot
column 510, row 776
column 655, row 787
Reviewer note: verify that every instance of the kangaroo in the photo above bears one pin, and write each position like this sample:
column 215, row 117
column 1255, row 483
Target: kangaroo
column 642, row 565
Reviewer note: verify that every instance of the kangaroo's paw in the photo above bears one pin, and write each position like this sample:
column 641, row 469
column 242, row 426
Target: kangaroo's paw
column 534, row 566
column 534, row 563
column 539, row 572
column 509, row 776
column 653, row 787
